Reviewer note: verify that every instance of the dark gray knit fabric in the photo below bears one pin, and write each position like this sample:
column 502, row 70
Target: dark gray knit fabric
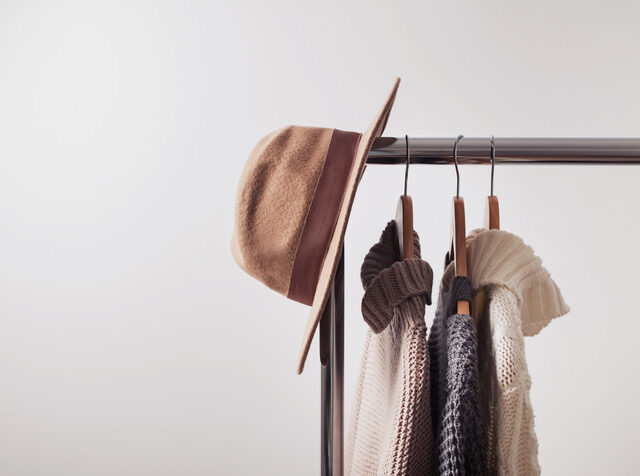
column 459, row 433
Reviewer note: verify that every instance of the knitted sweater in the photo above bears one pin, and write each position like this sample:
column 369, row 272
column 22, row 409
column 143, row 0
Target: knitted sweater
column 390, row 429
column 520, row 299
column 455, row 396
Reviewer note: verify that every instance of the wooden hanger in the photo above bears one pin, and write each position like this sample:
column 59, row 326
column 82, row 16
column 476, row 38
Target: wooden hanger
column 458, row 251
column 492, row 210
column 404, row 215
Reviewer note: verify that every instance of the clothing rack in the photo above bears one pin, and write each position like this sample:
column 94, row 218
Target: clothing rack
column 391, row 150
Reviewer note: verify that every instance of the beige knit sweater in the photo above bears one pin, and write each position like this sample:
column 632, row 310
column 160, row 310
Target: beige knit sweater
column 390, row 430
column 519, row 299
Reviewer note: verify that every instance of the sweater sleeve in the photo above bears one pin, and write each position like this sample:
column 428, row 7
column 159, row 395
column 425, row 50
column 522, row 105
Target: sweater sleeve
column 516, row 443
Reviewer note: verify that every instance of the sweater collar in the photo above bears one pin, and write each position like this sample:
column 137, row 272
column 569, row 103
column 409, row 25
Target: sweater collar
column 500, row 258
column 392, row 283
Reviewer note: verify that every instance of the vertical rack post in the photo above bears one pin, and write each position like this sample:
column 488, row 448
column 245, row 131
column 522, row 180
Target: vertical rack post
column 332, row 376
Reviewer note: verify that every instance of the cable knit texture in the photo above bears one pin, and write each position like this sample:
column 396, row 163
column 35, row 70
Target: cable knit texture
column 458, row 423
column 390, row 429
column 520, row 299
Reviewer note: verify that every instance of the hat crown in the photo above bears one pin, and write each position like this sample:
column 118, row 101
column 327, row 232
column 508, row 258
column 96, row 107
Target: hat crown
column 275, row 192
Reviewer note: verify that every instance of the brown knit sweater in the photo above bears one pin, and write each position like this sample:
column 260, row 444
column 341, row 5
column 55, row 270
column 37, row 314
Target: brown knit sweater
column 390, row 430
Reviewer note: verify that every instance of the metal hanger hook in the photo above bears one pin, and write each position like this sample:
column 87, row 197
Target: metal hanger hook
column 455, row 161
column 408, row 160
column 493, row 161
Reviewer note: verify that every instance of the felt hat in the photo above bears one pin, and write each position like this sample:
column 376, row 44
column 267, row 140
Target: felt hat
column 292, row 208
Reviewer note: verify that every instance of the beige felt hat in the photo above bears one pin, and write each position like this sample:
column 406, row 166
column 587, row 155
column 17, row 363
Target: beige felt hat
column 292, row 208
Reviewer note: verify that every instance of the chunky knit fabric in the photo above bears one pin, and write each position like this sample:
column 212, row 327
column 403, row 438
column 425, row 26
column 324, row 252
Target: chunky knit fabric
column 457, row 418
column 390, row 429
column 520, row 299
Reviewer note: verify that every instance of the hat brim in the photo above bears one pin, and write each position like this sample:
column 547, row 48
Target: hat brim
column 328, row 269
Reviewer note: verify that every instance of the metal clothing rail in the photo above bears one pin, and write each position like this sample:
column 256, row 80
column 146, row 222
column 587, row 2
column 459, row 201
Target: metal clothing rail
column 391, row 150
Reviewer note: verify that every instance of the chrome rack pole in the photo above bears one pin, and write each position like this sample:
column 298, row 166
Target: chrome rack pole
column 332, row 377
column 391, row 150
column 472, row 150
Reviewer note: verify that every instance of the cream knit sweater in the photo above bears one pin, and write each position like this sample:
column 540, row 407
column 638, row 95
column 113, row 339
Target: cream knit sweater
column 390, row 430
column 520, row 299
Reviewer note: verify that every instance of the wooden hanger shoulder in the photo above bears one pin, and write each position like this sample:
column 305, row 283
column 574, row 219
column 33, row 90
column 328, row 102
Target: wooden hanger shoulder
column 404, row 226
column 492, row 213
column 460, row 247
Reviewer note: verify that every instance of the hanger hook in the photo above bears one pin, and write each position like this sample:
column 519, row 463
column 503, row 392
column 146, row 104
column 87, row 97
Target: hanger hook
column 455, row 161
column 493, row 161
column 408, row 161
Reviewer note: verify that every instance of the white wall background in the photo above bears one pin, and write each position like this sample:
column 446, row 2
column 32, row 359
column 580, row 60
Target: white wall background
column 131, row 344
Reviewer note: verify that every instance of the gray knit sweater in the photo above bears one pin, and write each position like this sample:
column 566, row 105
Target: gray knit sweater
column 457, row 420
